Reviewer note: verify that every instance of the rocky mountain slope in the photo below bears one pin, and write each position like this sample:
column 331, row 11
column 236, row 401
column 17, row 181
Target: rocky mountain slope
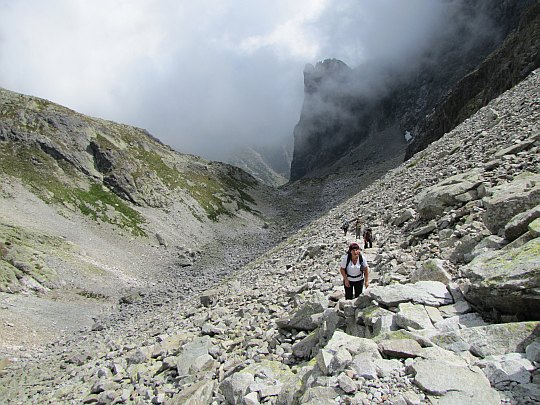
column 369, row 109
column 450, row 316
column 517, row 56
column 91, row 209
column 269, row 165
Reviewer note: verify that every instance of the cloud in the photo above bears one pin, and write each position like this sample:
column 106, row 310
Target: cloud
column 203, row 76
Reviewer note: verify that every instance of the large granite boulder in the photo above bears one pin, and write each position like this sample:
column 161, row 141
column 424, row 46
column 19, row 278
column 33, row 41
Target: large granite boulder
column 508, row 200
column 519, row 224
column 453, row 384
column 432, row 201
column 490, row 340
column 508, row 281
column 432, row 293
column 306, row 316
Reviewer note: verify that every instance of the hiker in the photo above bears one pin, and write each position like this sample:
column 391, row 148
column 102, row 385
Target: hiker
column 345, row 226
column 358, row 228
column 355, row 272
column 368, row 238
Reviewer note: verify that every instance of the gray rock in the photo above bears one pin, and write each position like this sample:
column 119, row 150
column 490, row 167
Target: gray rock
column 463, row 384
column 458, row 322
column 425, row 230
column 514, row 149
column 208, row 298
column 432, row 202
column 434, row 314
column 431, row 270
column 431, row 293
column 403, row 216
column 384, row 324
column 364, row 367
column 400, row 348
column 355, row 345
column 508, row 368
column 506, row 280
column 161, row 240
column 306, row 317
column 194, row 357
column 329, row 322
column 533, row 351
column 411, row 316
column 530, row 393
column 295, row 386
column 534, row 228
column 347, row 384
column 489, row 340
column 387, row 367
column 320, row 396
column 517, row 226
column 303, row 349
column 138, row 356
column 198, row 393
column 333, row 361
column 508, row 200
column 491, row 242
column 235, row 387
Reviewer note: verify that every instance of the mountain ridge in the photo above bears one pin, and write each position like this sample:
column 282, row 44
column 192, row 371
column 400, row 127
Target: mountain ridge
column 345, row 106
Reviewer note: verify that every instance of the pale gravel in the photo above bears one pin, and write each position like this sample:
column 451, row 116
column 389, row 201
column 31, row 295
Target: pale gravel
column 29, row 321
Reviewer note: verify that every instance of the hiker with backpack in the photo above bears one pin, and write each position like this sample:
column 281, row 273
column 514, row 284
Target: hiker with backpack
column 345, row 226
column 355, row 272
column 368, row 238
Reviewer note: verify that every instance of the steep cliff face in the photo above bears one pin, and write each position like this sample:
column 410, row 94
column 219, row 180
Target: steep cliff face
column 347, row 109
column 504, row 68
column 340, row 128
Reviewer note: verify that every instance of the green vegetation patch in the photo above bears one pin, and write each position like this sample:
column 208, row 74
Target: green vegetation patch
column 59, row 182
column 103, row 142
column 213, row 194
column 100, row 203
column 153, row 161
column 8, row 277
column 23, row 253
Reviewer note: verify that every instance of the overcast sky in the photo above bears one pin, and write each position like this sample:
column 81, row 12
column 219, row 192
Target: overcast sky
column 201, row 75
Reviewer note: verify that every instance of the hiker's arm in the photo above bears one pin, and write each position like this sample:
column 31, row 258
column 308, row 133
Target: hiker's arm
column 344, row 275
column 366, row 277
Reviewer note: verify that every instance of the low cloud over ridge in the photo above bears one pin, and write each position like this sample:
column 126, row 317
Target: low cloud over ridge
column 210, row 75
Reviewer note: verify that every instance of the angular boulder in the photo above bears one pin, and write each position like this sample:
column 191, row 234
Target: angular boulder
column 432, row 201
column 433, row 293
column 454, row 383
column 508, row 200
column 508, row 281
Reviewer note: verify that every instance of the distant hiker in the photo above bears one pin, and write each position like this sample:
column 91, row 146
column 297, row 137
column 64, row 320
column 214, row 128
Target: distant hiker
column 358, row 228
column 345, row 226
column 355, row 272
column 368, row 238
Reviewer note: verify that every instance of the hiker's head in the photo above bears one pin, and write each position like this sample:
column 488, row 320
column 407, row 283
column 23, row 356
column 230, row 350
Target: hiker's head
column 354, row 247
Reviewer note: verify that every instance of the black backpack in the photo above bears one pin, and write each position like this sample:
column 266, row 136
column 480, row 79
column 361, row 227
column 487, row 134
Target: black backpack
column 361, row 261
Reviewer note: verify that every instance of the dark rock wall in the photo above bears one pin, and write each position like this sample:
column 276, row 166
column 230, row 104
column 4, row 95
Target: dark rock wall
column 504, row 68
column 345, row 108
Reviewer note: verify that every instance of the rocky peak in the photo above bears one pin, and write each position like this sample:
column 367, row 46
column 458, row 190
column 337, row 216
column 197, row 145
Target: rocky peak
column 317, row 77
column 345, row 109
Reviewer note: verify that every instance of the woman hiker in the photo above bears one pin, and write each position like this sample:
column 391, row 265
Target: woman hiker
column 355, row 272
